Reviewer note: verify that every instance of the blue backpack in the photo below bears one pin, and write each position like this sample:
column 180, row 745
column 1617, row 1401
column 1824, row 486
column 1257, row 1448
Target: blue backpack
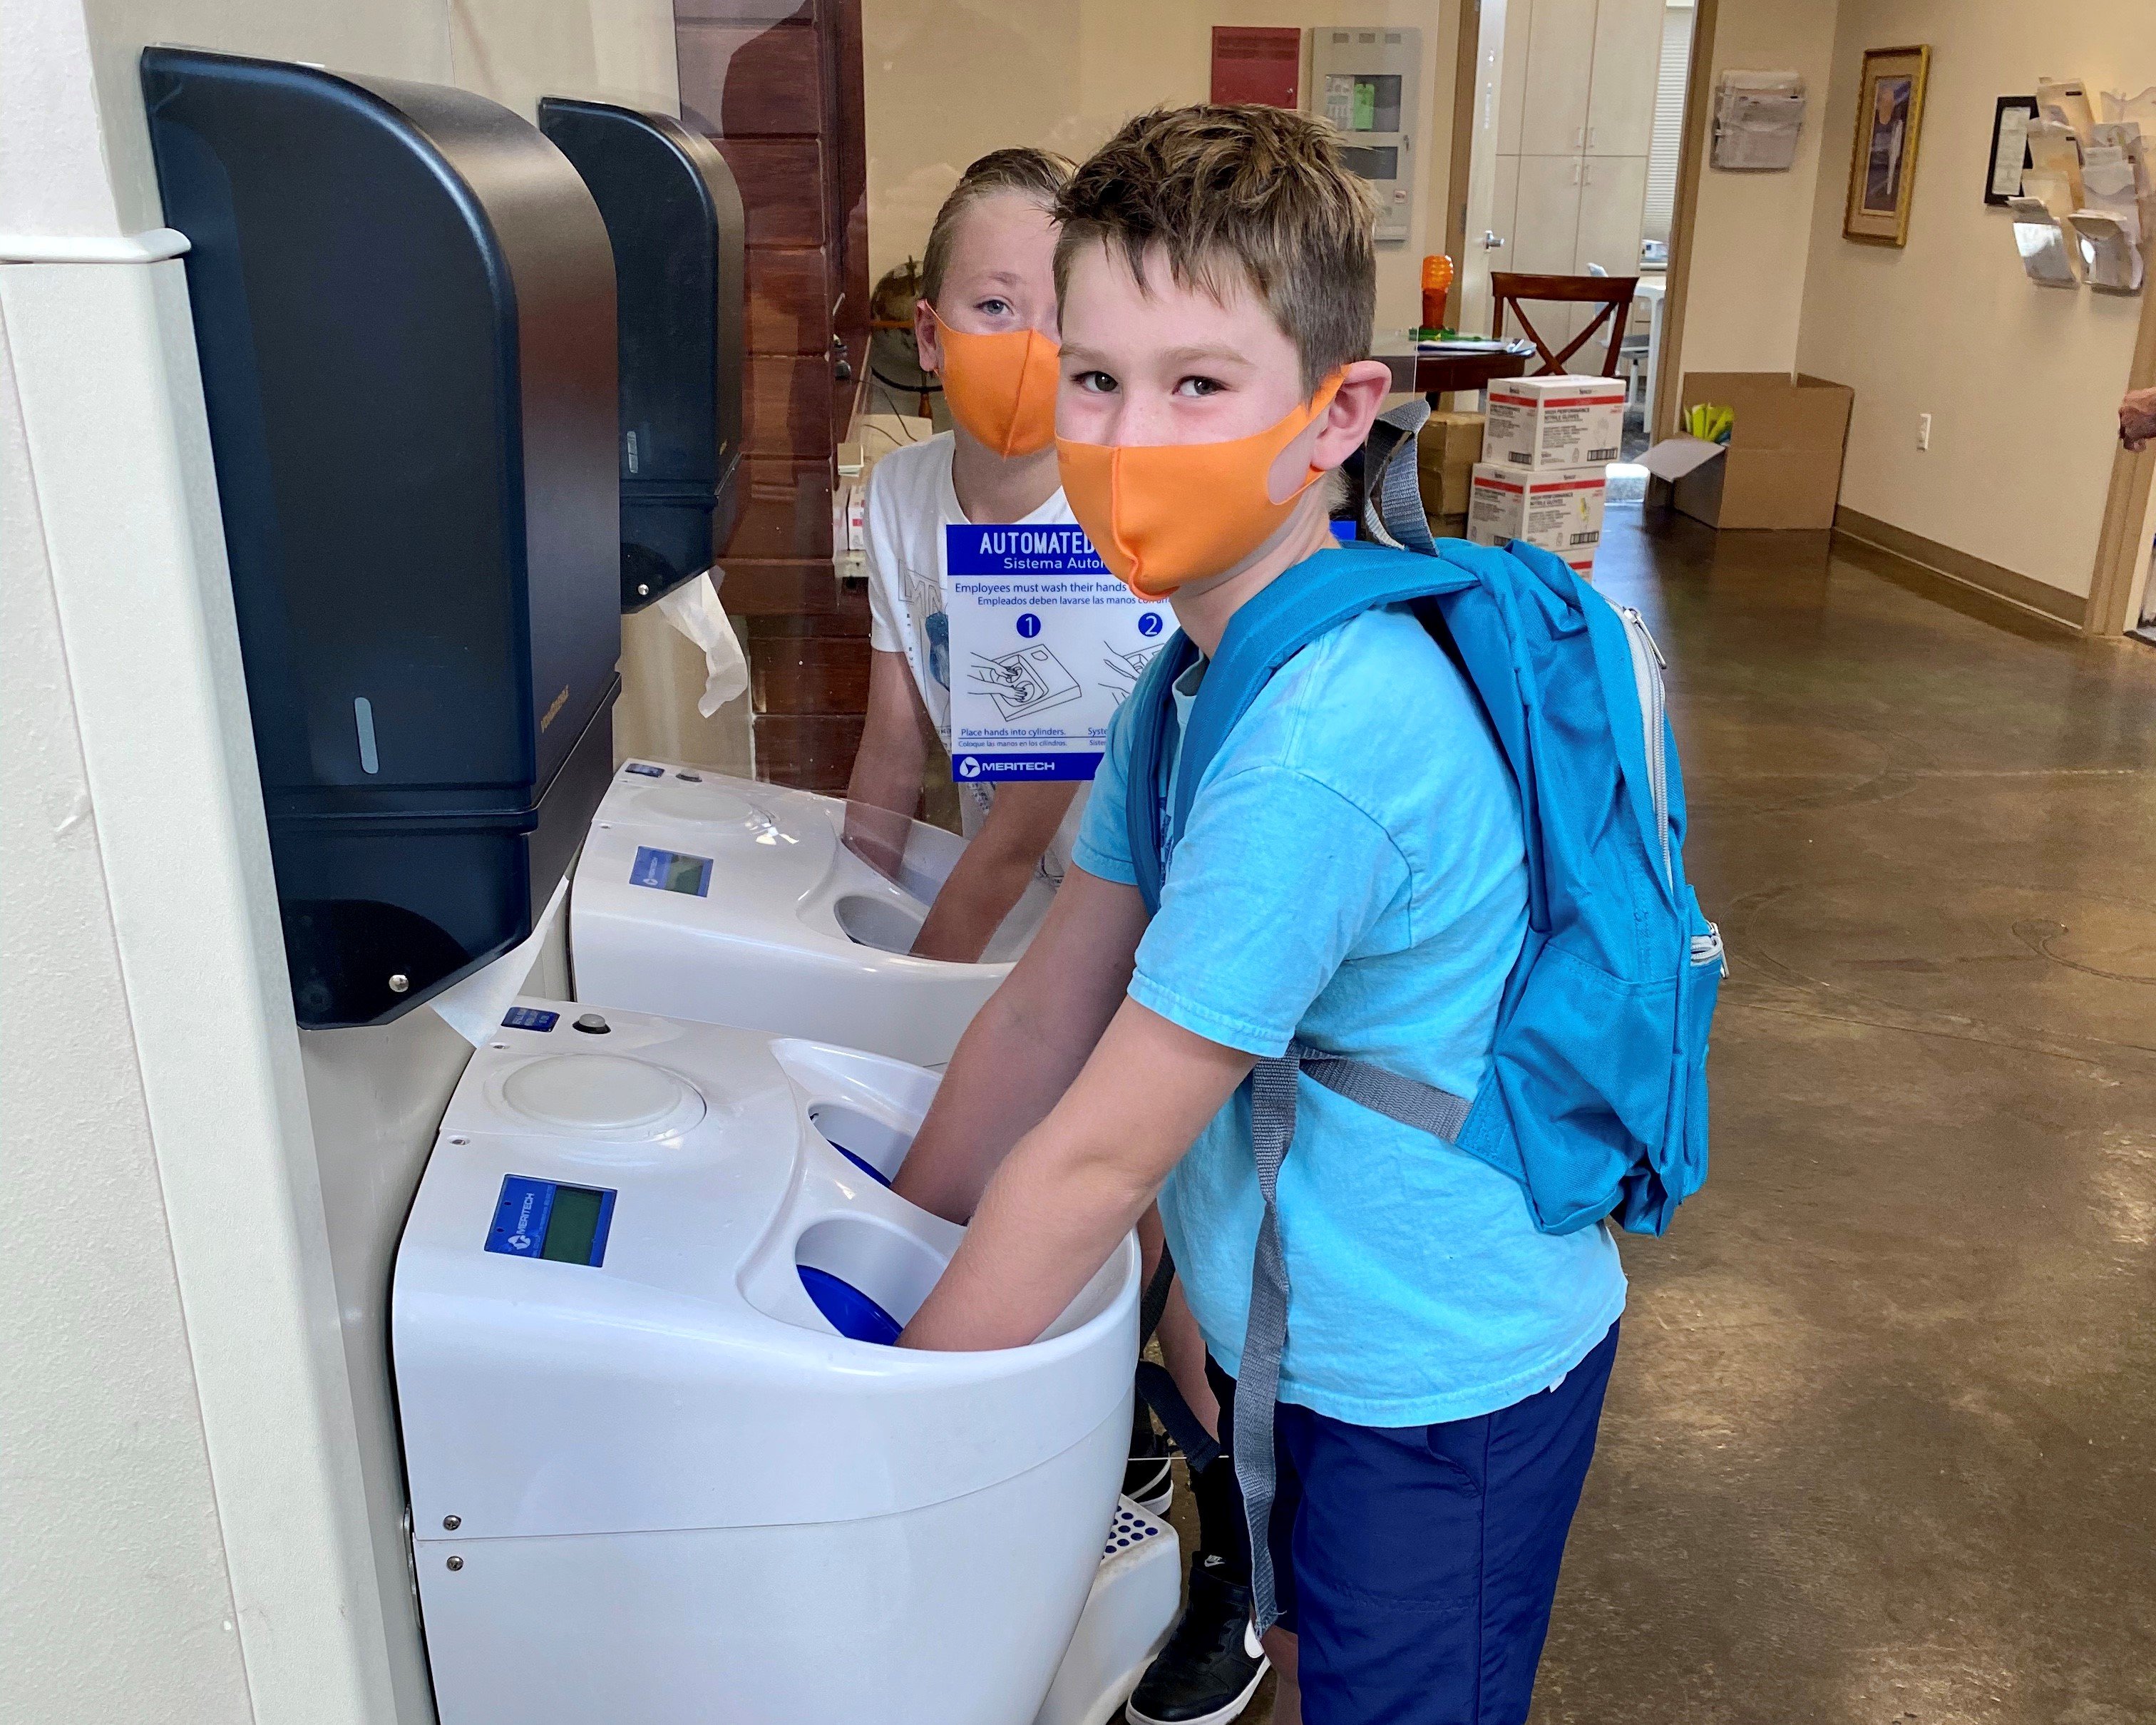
column 1595, row 1100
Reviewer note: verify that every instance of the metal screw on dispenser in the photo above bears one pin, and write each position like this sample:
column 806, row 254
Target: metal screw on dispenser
column 399, row 982
column 456, row 1562
column 642, row 588
column 452, row 1522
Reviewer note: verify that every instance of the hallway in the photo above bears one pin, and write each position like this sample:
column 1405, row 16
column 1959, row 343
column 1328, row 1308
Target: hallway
column 1881, row 1444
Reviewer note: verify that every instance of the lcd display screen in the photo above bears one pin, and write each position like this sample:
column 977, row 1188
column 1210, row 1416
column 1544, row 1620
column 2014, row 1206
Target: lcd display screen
column 574, row 1224
column 671, row 871
column 1372, row 163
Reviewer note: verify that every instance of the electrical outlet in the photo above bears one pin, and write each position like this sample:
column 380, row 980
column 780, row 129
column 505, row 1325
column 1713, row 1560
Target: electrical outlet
column 1923, row 431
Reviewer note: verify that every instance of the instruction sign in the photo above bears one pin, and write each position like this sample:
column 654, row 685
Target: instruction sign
column 1045, row 644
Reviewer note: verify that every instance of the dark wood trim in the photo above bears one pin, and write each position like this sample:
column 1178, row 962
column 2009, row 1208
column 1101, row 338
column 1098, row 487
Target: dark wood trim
column 781, row 188
column 2024, row 593
column 788, row 299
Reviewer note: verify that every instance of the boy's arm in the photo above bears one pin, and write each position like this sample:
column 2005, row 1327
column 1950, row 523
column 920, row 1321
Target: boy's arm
column 1026, row 1044
column 1078, row 1183
column 999, row 862
column 886, row 786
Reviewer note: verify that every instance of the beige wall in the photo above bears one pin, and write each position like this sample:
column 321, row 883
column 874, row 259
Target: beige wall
column 2021, row 382
column 201, row 1489
column 949, row 79
column 1752, row 231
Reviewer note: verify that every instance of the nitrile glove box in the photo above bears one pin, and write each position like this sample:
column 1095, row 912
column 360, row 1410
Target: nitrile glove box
column 1561, row 510
column 1554, row 422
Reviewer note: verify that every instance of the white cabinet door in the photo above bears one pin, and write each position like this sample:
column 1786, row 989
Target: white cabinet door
column 1628, row 53
column 1560, row 70
column 1613, row 205
column 1512, row 74
column 1545, row 236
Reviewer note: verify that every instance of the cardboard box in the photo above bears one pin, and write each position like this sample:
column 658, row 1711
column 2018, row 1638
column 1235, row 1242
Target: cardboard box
column 1551, row 423
column 1445, row 454
column 1560, row 510
column 1782, row 464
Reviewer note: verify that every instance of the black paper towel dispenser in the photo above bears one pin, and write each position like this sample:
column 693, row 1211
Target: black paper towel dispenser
column 403, row 306
column 674, row 216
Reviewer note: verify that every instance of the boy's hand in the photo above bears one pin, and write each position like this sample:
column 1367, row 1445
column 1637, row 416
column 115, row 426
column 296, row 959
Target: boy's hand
column 1078, row 1182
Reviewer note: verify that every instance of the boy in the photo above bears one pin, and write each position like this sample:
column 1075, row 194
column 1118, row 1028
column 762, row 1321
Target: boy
column 1352, row 875
column 986, row 322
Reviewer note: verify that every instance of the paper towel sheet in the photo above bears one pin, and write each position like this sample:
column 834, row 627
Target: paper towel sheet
column 473, row 1007
column 694, row 608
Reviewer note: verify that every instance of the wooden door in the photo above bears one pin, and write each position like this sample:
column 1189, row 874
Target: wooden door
column 778, row 88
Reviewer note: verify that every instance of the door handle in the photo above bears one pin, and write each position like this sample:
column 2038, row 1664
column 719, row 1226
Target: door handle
column 1491, row 241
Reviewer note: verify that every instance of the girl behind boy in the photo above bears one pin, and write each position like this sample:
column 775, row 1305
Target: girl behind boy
column 986, row 322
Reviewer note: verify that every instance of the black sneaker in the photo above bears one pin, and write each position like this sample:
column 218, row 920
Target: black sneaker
column 1148, row 1477
column 1211, row 1664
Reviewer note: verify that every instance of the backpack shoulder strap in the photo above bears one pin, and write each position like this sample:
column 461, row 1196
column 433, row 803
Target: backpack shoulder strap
column 1311, row 600
column 1148, row 704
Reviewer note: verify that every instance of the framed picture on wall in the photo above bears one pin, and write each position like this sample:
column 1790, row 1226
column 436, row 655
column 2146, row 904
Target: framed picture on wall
column 2009, row 148
column 1882, row 167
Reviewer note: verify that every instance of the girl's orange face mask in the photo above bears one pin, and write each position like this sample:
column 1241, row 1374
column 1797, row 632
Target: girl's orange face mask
column 1161, row 515
column 1001, row 387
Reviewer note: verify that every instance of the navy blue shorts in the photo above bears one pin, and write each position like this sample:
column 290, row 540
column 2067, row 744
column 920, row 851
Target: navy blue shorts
column 1416, row 1565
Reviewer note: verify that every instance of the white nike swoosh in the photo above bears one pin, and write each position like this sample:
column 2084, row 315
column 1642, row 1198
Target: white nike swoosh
column 1253, row 1648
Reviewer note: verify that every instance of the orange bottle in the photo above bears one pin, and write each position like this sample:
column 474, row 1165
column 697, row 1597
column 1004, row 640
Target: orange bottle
column 1436, row 282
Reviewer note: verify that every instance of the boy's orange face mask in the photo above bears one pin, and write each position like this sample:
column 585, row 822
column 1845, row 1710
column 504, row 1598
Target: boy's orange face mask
column 1001, row 387
column 1164, row 514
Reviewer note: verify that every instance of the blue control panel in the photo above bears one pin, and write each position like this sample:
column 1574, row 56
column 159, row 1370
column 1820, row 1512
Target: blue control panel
column 529, row 1018
column 544, row 1218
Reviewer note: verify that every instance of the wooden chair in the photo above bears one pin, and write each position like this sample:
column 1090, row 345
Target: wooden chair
column 1613, row 293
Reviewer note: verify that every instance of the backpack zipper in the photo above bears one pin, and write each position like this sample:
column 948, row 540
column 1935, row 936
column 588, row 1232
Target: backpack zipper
column 1707, row 949
column 1647, row 664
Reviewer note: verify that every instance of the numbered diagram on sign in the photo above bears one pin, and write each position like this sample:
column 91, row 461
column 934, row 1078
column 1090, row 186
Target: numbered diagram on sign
column 1028, row 681
column 1125, row 668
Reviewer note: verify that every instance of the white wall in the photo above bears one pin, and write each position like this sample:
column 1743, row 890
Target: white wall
column 1751, row 234
column 948, row 80
column 202, row 1479
column 2022, row 381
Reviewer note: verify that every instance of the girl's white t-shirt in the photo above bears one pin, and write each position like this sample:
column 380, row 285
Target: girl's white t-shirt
column 911, row 500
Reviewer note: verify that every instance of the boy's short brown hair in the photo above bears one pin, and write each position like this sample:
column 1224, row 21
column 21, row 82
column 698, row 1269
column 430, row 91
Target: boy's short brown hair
column 1037, row 174
column 1258, row 189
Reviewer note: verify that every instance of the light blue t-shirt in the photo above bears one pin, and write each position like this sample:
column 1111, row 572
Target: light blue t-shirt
column 1353, row 876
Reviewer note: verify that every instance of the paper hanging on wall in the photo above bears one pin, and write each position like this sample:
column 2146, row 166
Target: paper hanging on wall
column 2042, row 243
column 2109, row 249
column 2012, row 147
column 1757, row 119
column 473, row 1007
column 2054, row 149
column 2049, row 189
column 2066, row 101
column 2139, row 108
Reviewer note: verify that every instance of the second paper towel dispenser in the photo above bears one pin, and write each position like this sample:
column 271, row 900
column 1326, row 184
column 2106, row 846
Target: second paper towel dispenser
column 674, row 216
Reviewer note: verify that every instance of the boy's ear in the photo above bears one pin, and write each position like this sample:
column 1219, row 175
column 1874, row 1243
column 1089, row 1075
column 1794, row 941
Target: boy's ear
column 927, row 337
column 1355, row 408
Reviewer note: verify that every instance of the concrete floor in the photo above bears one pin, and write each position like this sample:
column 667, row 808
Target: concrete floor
column 1880, row 1446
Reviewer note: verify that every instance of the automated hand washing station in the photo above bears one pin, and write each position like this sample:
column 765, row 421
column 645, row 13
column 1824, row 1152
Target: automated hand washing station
column 724, row 900
column 664, row 1464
